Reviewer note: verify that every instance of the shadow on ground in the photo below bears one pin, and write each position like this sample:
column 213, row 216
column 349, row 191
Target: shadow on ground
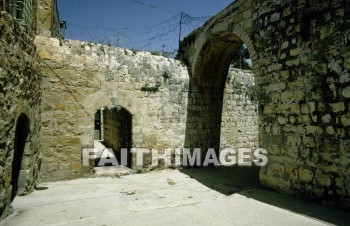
column 245, row 181
column 226, row 180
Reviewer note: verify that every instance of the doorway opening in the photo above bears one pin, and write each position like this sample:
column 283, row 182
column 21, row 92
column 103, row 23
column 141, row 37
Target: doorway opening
column 21, row 134
column 113, row 130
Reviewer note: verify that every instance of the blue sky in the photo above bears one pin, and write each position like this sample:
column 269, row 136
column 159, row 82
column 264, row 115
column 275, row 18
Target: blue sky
column 151, row 25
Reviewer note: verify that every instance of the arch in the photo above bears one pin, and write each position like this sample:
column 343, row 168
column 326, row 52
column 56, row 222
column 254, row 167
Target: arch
column 106, row 98
column 116, row 130
column 216, row 44
column 98, row 119
column 21, row 134
column 209, row 63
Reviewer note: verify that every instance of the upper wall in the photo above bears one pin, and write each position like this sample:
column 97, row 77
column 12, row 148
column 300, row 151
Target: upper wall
column 47, row 18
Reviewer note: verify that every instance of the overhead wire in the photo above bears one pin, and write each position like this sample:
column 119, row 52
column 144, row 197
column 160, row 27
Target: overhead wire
column 152, row 6
column 165, row 31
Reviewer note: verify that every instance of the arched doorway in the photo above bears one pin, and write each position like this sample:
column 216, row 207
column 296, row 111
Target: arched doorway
column 114, row 124
column 21, row 134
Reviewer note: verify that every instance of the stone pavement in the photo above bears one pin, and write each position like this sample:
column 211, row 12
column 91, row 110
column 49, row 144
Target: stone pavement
column 209, row 196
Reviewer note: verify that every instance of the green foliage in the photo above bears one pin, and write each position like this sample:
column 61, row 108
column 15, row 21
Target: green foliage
column 134, row 51
column 180, row 58
column 169, row 54
column 165, row 75
column 248, row 90
column 251, row 93
column 151, row 89
column 166, row 54
column 240, row 57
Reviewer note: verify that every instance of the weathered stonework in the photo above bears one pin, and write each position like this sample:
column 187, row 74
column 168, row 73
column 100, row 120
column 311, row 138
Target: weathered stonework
column 47, row 18
column 20, row 96
column 80, row 78
column 301, row 121
column 300, row 53
column 300, row 62
column 239, row 122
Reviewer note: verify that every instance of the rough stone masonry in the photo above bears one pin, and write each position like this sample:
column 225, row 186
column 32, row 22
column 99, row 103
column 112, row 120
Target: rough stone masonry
column 20, row 97
column 79, row 78
column 300, row 52
column 51, row 89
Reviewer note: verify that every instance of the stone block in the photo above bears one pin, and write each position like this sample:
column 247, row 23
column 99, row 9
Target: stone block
column 284, row 45
column 305, row 175
column 346, row 92
column 323, row 179
column 276, row 87
column 345, row 120
column 295, row 52
column 25, row 178
column 337, row 107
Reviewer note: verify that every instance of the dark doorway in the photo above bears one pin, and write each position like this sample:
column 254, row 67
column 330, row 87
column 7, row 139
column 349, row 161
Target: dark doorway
column 22, row 130
column 97, row 125
column 117, row 132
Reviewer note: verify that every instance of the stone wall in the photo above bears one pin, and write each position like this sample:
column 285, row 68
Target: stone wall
column 20, row 94
column 80, row 78
column 300, row 53
column 239, row 122
column 47, row 20
column 304, row 97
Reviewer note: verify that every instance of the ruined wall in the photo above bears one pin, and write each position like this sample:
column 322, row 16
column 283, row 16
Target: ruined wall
column 20, row 93
column 239, row 122
column 117, row 127
column 80, row 78
column 304, row 95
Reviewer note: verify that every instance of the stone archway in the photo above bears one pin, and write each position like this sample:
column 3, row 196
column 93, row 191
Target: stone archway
column 116, row 127
column 22, row 131
column 209, row 69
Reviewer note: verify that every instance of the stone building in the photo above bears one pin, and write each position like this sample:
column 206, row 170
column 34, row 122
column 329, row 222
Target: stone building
column 295, row 102
column 20, row 97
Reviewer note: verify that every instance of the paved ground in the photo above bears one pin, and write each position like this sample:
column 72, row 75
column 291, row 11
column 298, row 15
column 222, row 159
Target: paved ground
column 220, row 196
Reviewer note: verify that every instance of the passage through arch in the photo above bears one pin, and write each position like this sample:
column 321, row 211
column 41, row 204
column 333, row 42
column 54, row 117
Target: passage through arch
column 209, row 78
column 113, row 129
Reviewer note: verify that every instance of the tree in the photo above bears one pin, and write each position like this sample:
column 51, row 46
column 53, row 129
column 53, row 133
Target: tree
column 240, row 58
